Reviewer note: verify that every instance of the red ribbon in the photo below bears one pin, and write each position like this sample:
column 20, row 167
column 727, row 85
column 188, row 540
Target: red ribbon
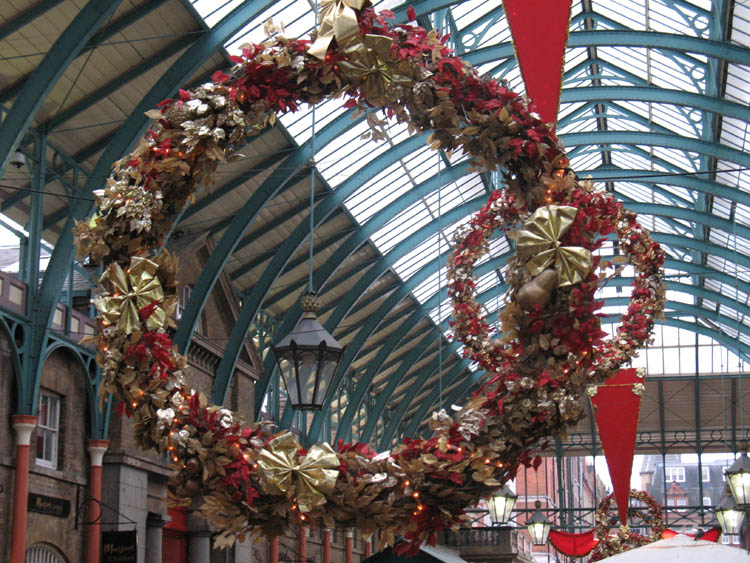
column 573, row 545
column 711, row 535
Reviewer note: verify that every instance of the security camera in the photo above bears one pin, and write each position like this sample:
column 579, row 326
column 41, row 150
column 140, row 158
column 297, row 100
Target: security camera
column 18, row 160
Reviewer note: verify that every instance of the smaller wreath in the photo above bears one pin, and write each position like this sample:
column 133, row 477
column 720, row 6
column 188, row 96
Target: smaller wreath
column 625, row 540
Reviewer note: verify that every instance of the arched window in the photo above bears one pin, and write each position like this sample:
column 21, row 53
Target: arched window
column 44, row 553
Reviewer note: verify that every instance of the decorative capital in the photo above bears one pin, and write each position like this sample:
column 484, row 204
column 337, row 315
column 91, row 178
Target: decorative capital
column 96, row 449
column 24, row 425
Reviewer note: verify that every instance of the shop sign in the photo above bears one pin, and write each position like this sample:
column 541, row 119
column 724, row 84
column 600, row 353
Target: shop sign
column 49, row 505
column 120, row 547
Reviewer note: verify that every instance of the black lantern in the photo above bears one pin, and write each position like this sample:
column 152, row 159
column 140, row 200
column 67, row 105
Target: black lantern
column 308, row 358
column 738, row 477
column 729, row 515
column 501, row 505
column 538, row 526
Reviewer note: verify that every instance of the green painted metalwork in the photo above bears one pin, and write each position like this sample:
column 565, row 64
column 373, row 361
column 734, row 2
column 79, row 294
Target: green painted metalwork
column 400, row 410
column 26, row 16
column 175, row 76
column 374, row 320
column 118, row 82
column 38, row 86
column 628, row 38
column 324, row 274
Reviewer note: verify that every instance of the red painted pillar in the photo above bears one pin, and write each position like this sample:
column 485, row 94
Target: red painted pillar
column 327, row 545
column 96, row 450
column 368, row 547
column 349, row 546
column 24, row 425
column 302, row 544
column 274, row 549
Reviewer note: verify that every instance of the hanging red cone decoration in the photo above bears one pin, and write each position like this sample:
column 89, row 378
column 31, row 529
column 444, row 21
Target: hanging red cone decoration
column 540, row 33
column 617, row 403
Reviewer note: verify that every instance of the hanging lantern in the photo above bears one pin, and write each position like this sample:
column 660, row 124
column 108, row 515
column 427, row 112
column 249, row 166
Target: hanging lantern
column 738, row 477
column 501, row 505
column 729, row 515
column 308, row 358
column 538, row 526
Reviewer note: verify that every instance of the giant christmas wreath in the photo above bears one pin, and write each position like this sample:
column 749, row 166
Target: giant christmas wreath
column 624, row 539
column 550, row 348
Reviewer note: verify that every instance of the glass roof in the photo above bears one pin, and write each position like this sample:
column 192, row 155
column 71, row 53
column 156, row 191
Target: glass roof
column 642, row 169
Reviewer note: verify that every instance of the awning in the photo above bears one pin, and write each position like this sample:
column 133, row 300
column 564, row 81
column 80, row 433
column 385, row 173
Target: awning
column 427, row 554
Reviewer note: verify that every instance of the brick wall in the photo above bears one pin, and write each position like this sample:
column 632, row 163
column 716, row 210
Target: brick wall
column 63, row 376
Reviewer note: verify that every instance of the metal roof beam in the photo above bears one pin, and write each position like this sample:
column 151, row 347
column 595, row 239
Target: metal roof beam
column 246, row 176
column 26, row 16
column 254, row 300
column 399, row 412
column 394, row 339
column 704, row 246
column 682, row 44
column 697, row 217
column 39, row 84
column 374, row 224
column 116, row 83
column 361, row 390
column 320, row 246
column 95, row 40
column 649, row 177
column 656, row 140
column 188, row 63
column 374, row 321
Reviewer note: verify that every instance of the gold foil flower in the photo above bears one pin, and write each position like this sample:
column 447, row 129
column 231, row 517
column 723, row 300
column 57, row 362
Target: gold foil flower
column 539, row 241
column 369, row 67
column 132, row 291
column 313, row 475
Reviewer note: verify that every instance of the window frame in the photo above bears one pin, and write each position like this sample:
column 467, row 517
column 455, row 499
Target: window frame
column 48, row 427
column 182, row 302
column 680, row 474
column 705, row 474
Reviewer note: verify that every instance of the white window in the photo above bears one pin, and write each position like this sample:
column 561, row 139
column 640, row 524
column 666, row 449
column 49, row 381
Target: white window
column 705, row 474
column 707, row 501
column 182, row 303
column 681, row 502
column 675, row 474
column 48, row 430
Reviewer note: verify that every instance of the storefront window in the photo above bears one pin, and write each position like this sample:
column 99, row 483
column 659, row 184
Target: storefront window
column 41, row 553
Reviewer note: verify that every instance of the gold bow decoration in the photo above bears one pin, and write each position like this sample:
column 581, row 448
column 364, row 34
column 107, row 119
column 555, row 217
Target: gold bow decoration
column 134, row 289
column 337, row 19
column 313, row 475
column 368, row 65
column 539, row 241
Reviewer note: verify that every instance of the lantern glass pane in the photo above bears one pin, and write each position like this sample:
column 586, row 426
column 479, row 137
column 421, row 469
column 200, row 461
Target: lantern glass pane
column 538, row 532
column 730, row 520
column 500, row 508
column 739, row 483
column 308, row 374
column 286, row 366
column 330, row 362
